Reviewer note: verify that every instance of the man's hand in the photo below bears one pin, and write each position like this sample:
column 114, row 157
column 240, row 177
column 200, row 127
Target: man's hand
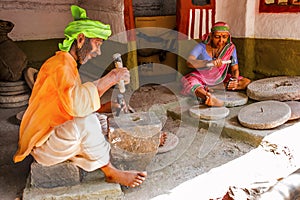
column 109, row 107
column 121, row 74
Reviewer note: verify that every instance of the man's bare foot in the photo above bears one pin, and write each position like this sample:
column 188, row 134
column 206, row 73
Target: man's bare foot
column 125, row 178
column 163, row 138
column 213, row 101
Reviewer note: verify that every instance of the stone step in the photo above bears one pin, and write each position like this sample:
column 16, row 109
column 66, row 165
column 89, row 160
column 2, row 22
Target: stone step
column 66, row 181
column 230, row 125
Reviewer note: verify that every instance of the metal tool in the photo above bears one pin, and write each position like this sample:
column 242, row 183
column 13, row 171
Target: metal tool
column 124, row 106
column 210, row 64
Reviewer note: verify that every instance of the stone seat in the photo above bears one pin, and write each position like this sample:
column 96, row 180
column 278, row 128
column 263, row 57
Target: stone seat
column 62, row 174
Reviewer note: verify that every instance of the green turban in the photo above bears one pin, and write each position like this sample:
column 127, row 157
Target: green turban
column 81, row 24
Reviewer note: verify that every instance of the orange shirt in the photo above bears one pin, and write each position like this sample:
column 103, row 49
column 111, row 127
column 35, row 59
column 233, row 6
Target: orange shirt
column 57, row 96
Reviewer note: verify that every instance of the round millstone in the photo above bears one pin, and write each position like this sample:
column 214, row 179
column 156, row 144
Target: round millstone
column 14, row 88
column 264, row 114
column 14, row 98
column 295, row 108
column 210, row 113
column 231, row 99
column 13, row 105
column 14, row 92
column 281, row 88
column 11, row 83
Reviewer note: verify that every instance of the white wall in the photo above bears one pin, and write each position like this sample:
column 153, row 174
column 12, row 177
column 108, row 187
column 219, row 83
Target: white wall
column 44, row 19
column 47, row 19
column 246, row 21
column 36, row 19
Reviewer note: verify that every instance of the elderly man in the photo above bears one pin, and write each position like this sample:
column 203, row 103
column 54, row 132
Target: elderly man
column 59, row 124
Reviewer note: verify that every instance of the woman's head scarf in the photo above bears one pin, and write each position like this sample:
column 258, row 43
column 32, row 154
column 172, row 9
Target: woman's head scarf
column 218, row 26
column 82, row 24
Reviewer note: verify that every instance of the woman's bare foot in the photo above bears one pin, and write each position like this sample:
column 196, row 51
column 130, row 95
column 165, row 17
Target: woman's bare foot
column 163, row 138
column 213, row 101
column 125, row 178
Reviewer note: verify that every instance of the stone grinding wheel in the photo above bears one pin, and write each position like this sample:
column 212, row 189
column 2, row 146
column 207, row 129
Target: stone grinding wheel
column 264, row 114
column 14, row 105
column 231, row 98
column 11, row 83
column 295, row 108
column 13, row 94
column 15, row 98
column 281, row 88
column 14, row 88
column 210, row 113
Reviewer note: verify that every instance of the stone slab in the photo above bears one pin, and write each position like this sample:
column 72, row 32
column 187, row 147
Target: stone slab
column 139, row 124
column 281, row 88
column 295, row 108
column 89, row 190
column 230, row 98
column 209, row 113
column 264, row 114
column 62, row 174
column 134, row 139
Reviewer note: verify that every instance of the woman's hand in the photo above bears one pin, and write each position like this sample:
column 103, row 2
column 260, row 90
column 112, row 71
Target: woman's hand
column 232, row 84
column 217, row 62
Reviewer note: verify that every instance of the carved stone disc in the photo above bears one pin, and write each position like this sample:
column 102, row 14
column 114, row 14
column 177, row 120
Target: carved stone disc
column 14, row 98
column 295, row 108
column 281, row 88
column 264, row 114
column 210, row 113
column 230, row 98
column 14, row 88
column 11, row 83
column 14, row 105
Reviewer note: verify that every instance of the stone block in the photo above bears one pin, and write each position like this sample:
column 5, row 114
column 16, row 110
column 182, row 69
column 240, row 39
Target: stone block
column 87, row 190
column 134, row 139
column 62, row 174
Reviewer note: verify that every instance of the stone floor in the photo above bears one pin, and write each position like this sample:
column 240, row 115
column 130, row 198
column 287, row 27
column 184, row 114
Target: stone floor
column 196, row 153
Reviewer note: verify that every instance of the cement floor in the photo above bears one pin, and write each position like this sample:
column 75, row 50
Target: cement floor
column 167, row 171
column 12, row 175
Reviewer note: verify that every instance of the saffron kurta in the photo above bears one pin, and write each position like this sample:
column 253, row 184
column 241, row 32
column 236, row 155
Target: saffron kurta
column 57, row 97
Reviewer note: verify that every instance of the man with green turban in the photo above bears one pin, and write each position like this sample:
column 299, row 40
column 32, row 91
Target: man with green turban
column 60, row 123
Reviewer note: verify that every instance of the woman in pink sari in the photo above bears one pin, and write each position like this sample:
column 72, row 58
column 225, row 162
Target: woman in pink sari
column 212, row 60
